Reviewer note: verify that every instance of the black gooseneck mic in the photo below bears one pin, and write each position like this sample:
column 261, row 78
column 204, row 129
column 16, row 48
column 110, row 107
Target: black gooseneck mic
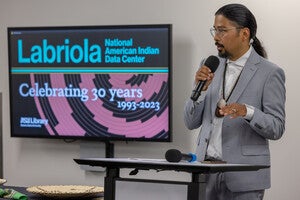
column 212, row 62
column 174, row 155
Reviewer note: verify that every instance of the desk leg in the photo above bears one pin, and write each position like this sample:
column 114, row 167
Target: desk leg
column 196, row 189
column 110, row 183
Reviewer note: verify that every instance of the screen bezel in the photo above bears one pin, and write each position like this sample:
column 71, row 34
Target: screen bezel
column 105, row 139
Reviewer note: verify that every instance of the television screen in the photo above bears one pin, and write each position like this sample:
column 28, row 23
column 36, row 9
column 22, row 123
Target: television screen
column 91, row 82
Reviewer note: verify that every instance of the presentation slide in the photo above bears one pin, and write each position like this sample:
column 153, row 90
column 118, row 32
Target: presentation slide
column 96, row 82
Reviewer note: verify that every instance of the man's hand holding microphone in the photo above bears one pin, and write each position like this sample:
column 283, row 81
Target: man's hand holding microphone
column 203, row 79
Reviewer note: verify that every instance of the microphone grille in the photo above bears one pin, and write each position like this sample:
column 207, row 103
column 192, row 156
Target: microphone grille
column 212, row 62
column 173, row 155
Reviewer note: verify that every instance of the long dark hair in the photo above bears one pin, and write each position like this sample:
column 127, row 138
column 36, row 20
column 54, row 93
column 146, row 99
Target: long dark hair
column 241, row 15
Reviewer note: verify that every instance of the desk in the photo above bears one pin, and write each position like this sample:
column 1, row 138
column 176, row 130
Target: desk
column 195, row 188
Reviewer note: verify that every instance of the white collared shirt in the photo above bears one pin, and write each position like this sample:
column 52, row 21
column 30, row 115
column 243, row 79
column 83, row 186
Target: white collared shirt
column 234, row 69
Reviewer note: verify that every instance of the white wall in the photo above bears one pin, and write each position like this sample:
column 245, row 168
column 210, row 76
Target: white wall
column 40, row 161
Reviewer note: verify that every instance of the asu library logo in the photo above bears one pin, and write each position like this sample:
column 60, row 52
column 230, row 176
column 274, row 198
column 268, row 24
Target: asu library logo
column 32, row 122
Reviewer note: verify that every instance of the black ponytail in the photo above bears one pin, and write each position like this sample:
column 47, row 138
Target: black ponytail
column 259, row 48
column 241, row 15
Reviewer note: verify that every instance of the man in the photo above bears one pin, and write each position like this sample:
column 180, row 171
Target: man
column 250, row 94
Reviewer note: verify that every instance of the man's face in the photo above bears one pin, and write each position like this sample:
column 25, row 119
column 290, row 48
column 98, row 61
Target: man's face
column 228, row 38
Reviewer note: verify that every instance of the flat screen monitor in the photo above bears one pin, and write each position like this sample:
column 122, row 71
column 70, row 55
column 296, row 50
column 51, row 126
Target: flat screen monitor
column 91, row 82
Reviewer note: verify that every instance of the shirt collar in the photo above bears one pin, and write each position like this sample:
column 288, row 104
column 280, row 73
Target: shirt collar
column 242, row 60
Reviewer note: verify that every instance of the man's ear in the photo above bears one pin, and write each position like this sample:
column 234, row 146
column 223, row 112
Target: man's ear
column 245, row 34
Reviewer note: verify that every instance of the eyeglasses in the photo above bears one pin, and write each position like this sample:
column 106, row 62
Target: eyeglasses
column 221, row 31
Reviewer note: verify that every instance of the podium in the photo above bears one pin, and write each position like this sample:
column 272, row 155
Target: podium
column 195, row 188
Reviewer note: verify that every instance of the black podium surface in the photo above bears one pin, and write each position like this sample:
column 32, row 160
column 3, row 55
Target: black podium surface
column 196, row 188
column 162, row 164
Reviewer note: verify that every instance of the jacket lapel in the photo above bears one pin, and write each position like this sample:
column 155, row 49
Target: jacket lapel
column 246, row 75
column 216, row 85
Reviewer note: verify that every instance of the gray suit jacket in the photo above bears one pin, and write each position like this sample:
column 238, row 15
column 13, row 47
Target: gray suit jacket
column 261, row 85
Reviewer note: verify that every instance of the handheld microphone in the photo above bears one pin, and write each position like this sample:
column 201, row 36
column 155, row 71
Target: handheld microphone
column 174, row 155
column 212, row 62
